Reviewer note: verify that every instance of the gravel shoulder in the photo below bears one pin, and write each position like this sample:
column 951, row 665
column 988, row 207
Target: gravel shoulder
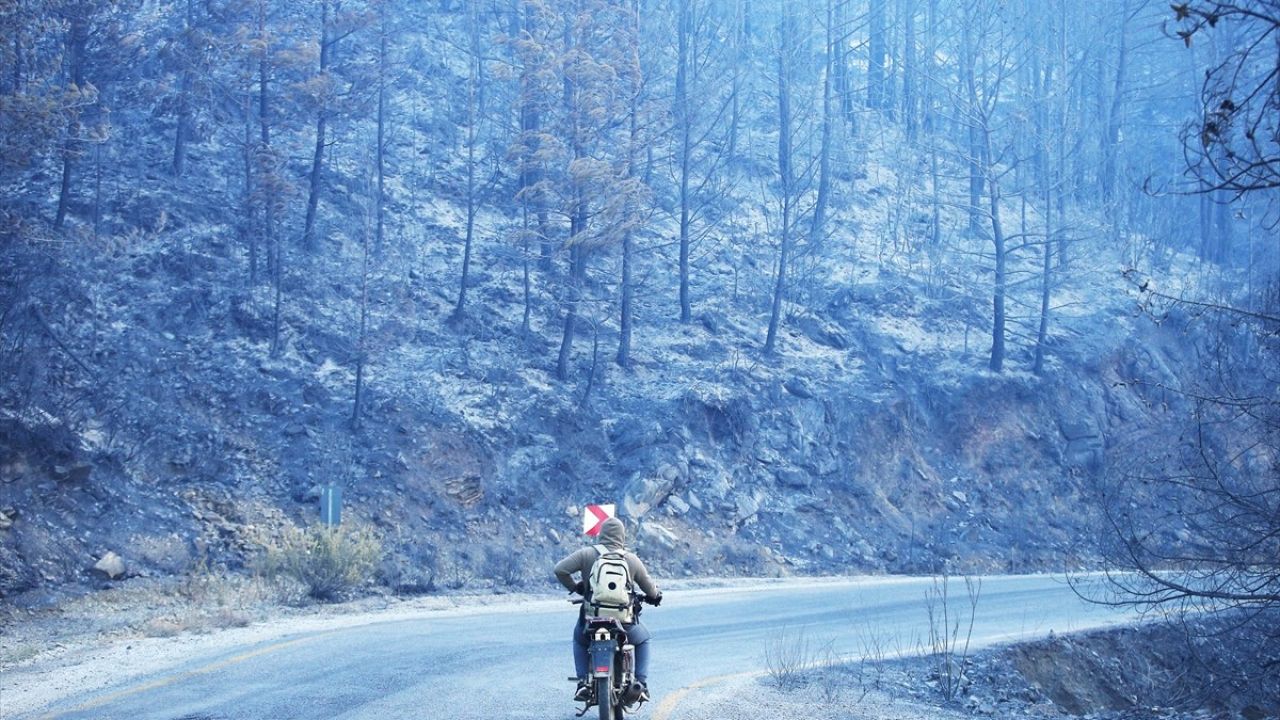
column 755, row 697
column 96, row 645
column 1144, row 672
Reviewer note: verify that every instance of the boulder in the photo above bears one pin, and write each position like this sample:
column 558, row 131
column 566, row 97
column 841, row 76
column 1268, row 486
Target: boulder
column 646, row 492
column 792, row 478
column 1083, row 446
column 111, row 566
column 716, row 488
column 677, row 506
column 797, row 386
column 77, row 473
column 309, row 493
column 713, row 322
column 694, row 501
column 746, row 506
column 1078, row 428
column 822, row 331
column 659, row 535
column 669, row 473
column 633, row 436
column 698, row 459
column 768, row 456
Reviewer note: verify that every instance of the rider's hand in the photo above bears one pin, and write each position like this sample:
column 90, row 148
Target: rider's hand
column 579, row 588
column 656, row 600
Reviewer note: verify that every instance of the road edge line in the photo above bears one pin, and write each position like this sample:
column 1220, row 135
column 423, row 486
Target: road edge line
column 171, row 679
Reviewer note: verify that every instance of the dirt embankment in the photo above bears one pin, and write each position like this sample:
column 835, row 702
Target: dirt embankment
column 1216, row 667
column 1143, row 673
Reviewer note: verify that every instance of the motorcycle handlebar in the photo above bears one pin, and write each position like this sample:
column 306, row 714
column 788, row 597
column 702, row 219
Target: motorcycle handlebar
column 636, row 599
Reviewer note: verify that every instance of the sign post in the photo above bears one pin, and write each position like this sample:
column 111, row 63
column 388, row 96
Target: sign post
column 593, row 516
column 331, row 505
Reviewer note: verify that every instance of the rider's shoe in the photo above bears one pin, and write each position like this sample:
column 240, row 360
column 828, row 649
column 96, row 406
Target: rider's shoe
column 644, row 693
column 583, row 693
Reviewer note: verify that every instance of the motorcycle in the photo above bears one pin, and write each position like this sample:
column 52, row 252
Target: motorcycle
column 614, row 688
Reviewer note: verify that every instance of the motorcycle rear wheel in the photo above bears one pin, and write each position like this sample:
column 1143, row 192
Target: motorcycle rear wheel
column 604, row 698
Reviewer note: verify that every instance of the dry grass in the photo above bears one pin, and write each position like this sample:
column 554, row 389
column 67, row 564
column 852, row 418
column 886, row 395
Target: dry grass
column 201, row 600
column 788, row 657
column 196, row 622
column 328, row 563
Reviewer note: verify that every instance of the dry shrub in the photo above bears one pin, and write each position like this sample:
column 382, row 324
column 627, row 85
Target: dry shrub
column 788, row 658
column 225, row 618
column 457, row 572
column 166, row 553
column 950, row 631
column 203, row 584
column 164, row 627
column 173, row 625
column 505, row 566
column 328, row 563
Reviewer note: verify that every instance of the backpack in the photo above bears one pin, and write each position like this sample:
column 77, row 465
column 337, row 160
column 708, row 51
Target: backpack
column 609, row 583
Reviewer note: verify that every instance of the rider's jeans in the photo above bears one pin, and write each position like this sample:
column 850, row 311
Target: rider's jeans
column 582, row 661
column 642, row 663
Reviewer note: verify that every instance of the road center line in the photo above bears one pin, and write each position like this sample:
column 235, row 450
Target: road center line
column 670, row 701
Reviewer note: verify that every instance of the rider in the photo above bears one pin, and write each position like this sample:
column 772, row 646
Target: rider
column 613, row 535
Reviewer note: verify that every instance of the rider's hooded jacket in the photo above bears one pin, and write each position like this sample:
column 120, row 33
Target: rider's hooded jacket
column 613, row 535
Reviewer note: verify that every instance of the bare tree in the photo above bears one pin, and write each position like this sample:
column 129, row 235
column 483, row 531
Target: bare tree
column 380, row 149
column 187, row 51
column 631, row 70
column 270, row 183
column 1115, row 104
column 1194, row 510
column 788, row 181
column 684, row 130
column 990, row 57
column 951, row 631
column 598, row 194
column 91, row 49
column 1193, row 500
column 324, row 88
column 362, row 333
column 819, row 217
column 877, row 64
column 475, row 83
column 1235, row 143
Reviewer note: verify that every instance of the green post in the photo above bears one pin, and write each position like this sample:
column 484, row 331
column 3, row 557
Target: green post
column 331, row 505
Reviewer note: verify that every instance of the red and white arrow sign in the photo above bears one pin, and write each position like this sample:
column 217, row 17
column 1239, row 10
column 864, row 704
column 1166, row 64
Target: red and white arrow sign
column 593, row 516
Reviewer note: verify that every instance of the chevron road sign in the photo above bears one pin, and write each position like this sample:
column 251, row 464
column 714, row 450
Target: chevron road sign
column 593, row 516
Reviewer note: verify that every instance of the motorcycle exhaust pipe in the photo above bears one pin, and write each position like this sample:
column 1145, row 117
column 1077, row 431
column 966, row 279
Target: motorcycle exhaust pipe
column 632, row 693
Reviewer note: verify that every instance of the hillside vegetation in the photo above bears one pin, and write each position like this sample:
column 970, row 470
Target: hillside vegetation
column 794, row 307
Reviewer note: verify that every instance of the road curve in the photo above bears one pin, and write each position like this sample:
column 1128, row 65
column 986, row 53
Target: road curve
column 512, row 661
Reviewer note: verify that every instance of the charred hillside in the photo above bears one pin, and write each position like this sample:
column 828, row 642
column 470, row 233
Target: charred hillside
column 862, row 446
column 790, row 321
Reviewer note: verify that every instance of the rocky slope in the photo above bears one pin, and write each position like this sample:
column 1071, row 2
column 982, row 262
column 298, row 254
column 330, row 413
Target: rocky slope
column 145, row 414
column 155, row 424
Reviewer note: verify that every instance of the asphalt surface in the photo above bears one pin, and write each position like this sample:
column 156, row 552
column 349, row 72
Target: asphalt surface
column 514, row 661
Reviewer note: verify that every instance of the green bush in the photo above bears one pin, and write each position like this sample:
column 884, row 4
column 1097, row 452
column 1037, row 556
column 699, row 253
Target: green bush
column 330, row 563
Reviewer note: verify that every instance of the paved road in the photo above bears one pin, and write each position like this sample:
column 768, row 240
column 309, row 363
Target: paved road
column 513, row 662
